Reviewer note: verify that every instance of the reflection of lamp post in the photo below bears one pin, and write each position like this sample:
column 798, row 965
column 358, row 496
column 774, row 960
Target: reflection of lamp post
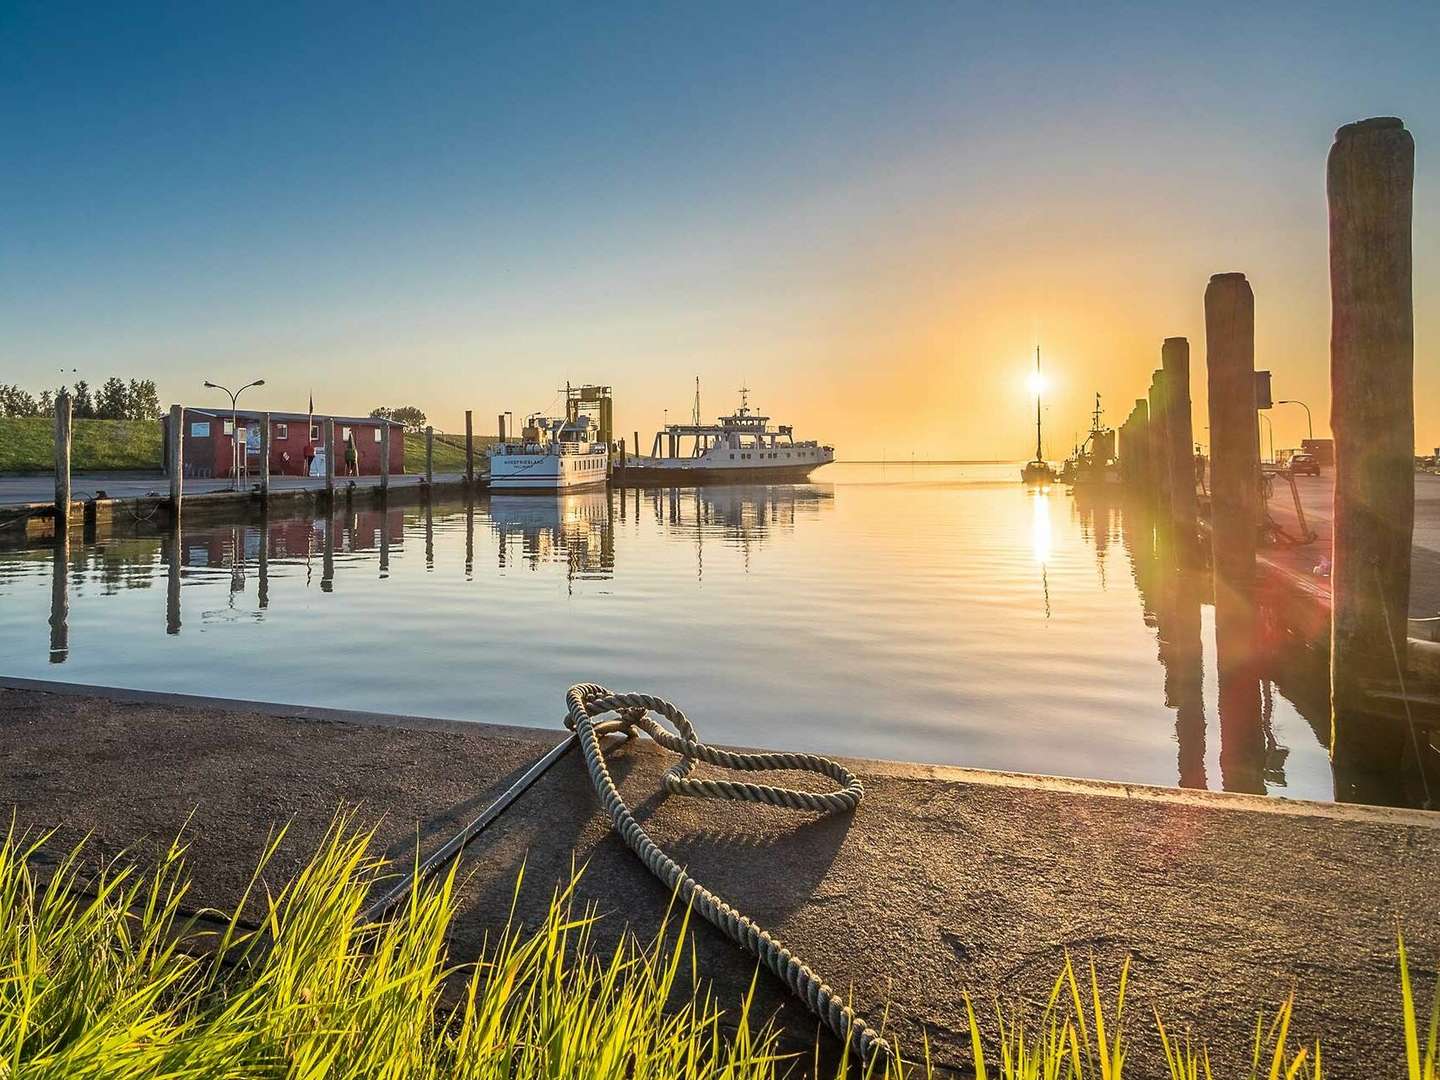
column 1309, row 427
column 1269, row 427
column 234, row 427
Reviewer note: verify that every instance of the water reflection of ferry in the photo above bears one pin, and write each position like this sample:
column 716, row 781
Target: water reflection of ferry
column 739, row 517
column 575, row 528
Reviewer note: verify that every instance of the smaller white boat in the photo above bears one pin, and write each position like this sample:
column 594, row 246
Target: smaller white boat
column 551, row 455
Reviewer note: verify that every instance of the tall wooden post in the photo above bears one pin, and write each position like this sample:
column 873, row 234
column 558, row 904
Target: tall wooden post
column 1235, row 513
column 1234, row 437
column 384, row 456
column 1175, row 357
column 265, row 457
column 1159, row 444
column 329, row 461
column 63, row 418
column 429, row 456
column 469, row 448
column 176, row 462
column 1370, row 180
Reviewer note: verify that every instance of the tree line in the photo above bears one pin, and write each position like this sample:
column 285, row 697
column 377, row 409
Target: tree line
column 115, row 400
column 412, row 417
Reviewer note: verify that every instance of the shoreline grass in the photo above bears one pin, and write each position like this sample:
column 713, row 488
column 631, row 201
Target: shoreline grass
column 27, row 445
column 103, row 974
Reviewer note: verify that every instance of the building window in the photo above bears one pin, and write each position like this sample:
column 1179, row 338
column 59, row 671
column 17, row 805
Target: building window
column 314, row 432
column 200, row 429
column 282, row 431
column 344, row 434
column 377, row 434
column 229, row 428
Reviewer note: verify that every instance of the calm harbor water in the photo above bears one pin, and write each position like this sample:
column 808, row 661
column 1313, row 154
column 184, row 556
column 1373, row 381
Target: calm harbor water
column 935, row 613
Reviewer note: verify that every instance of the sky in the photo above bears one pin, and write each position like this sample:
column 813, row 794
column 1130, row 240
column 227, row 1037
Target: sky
column 868, row 214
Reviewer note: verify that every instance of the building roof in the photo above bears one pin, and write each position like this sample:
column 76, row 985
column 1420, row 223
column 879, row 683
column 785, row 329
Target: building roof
column 288, row 417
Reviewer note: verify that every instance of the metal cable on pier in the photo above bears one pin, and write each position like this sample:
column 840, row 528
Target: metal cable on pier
column 585, row 702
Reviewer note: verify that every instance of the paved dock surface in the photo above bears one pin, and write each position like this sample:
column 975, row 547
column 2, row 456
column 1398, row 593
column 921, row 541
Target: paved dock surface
column 40, row 488
column 944, row 880
column 1317, row 496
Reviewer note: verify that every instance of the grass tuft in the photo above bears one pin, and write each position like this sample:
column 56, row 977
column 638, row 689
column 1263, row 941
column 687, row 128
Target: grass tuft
column 102, row 974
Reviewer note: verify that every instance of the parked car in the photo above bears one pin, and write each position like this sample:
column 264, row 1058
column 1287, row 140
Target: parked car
column 1304, row 465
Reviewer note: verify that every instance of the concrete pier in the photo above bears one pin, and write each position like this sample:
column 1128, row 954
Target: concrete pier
column 1370, row 178
column 945, row 880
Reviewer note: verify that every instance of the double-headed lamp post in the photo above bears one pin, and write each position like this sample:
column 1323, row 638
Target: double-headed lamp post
column 234, row 426
column 1309, row 426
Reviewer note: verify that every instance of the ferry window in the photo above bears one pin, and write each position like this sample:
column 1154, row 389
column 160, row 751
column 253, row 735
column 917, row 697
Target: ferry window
column 282, row 431
column 201, row 430
column 732, row 457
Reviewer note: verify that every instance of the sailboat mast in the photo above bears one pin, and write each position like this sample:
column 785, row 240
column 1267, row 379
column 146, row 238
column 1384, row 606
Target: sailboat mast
column 1039, row 455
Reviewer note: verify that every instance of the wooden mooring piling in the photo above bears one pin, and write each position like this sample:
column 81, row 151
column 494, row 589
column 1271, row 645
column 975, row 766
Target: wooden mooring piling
column 1370, row 176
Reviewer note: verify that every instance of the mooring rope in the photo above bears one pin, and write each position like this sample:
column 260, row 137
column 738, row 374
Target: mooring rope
column 585, row 702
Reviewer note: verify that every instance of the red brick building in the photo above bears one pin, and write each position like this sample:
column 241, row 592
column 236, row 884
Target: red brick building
column 209, row 442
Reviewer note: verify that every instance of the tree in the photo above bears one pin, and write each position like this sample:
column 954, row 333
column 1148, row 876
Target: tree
column 412, row 417
column 47, row 403
column 113, row 401
column 16, row 402
column 142, row 400
column 83, row 407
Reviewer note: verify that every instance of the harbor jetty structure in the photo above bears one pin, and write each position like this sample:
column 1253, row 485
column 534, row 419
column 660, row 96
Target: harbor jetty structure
column 1384, row 682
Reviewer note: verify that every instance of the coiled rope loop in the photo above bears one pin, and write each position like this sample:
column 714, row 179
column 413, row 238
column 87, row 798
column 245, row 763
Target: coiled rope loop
column 587, row 702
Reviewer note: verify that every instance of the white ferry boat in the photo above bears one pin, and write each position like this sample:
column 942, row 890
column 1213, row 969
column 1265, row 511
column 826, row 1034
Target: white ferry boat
column 550, row 455
column 741, row 448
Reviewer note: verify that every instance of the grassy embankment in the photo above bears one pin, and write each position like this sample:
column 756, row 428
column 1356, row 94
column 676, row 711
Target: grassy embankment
column 103, row 976
column 28, row 445
column 449, row 452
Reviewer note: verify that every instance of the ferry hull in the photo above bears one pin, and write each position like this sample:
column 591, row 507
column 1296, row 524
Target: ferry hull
column 669, row 476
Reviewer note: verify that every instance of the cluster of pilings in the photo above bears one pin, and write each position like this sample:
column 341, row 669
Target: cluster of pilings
column 1369, row 183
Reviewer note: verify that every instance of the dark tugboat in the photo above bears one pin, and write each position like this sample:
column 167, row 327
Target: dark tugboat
column 1037, row 473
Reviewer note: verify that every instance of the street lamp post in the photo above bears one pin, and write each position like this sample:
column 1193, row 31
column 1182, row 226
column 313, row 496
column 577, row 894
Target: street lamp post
column 1270, row 429
column 234, row 427
column 1309, row 426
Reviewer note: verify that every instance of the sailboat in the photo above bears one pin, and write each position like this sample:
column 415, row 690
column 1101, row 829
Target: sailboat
column 1038, row 473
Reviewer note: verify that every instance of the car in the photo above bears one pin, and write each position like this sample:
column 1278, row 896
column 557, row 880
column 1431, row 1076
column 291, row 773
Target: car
column 1304, row 465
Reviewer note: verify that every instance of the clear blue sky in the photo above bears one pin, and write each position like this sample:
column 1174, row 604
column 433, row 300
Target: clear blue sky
column 868, row 212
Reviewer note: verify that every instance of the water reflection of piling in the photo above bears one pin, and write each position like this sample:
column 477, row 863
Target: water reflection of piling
column 60, row 599
column 429, row 537
column 172, row 578
column 327, row 566
column 469, row 528
column 1237, row 663
column 1182, row 656
column 264, row 587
